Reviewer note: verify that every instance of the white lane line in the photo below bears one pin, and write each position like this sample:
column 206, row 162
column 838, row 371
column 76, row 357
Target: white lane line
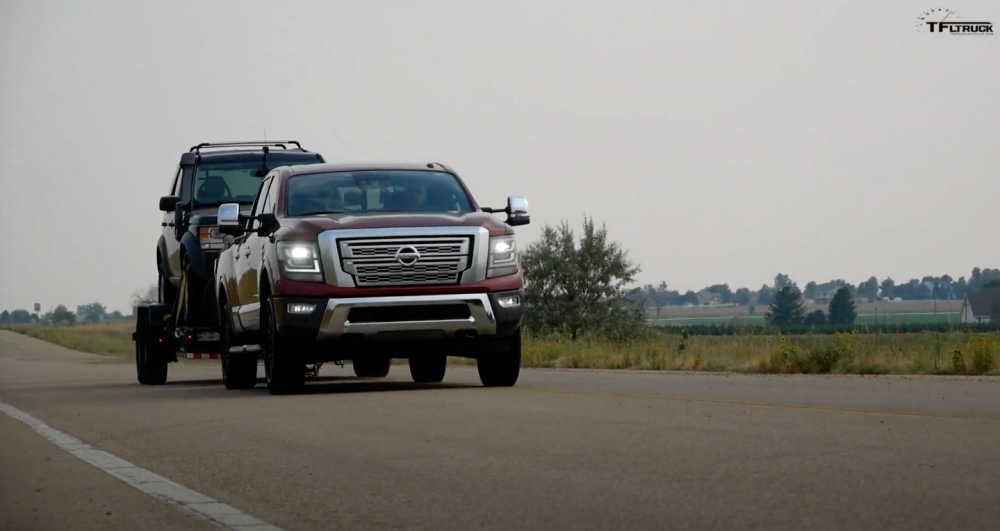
column 156, row 486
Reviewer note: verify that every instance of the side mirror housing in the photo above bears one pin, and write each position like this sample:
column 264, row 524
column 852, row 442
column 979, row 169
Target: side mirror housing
column 168, row 202
column 229, row 219
column 517, row 211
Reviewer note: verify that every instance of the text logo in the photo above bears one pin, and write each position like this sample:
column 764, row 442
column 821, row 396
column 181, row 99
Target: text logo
column 941, row 20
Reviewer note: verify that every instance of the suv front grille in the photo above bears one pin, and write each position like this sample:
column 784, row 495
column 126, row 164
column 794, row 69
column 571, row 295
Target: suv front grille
column 374, row 262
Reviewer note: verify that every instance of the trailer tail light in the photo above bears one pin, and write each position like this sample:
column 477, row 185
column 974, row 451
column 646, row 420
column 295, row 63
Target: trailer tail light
column 210, row 238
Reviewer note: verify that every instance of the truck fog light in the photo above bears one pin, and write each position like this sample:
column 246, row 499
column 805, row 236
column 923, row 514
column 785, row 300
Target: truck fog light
column 300, row 308
column 507, row 302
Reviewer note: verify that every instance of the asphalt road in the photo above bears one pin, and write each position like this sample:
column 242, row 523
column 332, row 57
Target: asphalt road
column 573, row 450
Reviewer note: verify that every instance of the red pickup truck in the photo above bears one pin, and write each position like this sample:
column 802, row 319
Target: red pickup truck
column 367, row 263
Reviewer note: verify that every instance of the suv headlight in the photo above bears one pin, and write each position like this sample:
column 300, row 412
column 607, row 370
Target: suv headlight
column 503, row 257
column 300, row 261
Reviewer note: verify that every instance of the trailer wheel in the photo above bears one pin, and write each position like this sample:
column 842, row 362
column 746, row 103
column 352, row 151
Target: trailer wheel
column 150, row 362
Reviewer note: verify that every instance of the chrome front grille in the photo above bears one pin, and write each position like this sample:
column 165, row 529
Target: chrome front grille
column 377, row 262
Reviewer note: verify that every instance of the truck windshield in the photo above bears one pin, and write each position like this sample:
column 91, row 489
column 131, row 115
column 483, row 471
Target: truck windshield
column 375, row 191
column 236, row 181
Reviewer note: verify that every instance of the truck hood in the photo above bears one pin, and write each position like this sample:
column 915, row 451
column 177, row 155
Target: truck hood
column 311, row 226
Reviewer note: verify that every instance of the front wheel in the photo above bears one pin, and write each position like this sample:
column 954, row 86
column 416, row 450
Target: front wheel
column 501, row 369
column 285, row 372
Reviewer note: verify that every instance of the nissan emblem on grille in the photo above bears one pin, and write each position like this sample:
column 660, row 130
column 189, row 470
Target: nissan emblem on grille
column 407, row 255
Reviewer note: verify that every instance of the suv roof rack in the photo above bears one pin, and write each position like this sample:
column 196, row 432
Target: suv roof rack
column 277, row 143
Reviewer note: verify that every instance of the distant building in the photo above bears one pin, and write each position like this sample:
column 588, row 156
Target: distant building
column 981, row 307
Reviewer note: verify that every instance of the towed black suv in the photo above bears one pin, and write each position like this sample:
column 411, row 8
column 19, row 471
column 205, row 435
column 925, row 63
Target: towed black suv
column 207, row 176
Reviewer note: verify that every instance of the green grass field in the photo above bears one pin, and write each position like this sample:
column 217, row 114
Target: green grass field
column 913, row 353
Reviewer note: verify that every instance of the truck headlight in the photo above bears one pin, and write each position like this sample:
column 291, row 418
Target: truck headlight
column 503, row 257
column 300, row 261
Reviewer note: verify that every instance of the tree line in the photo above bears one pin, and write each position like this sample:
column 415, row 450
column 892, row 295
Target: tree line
column 942, row 287
column 92, row 313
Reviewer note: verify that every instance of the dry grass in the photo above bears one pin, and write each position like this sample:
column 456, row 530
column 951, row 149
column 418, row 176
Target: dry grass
column 114, row 339
column 917, row 353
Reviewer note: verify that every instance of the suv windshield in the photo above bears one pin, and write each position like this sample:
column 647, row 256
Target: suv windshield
column 237, row 181
column 375, row 191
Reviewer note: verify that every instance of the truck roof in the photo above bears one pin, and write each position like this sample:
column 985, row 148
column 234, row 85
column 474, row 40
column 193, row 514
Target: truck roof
column 366, row 166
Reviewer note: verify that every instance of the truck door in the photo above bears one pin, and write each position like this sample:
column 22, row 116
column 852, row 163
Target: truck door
column 173, row 246
column 246, row 273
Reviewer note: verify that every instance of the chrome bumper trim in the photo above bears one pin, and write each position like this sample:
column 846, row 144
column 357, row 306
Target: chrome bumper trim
column 335, row 322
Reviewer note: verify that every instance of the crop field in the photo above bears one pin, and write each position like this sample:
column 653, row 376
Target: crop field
column 953, row 352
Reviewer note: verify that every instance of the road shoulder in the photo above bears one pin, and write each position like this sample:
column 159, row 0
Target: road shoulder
column 43, row 487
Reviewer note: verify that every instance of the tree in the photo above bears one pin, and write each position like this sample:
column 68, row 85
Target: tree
column 765, row 294
column 782, row 280
column 742, row 296
column 148, row 295
column 723, row 291
column 888, row 288
column 786, row 308
column 868, row 289
column 689, row 297
column 21, row 317
column 810, row 291
column 842, row 309
column 658, row 296
column 93, row 313
column 816, row 317
column 61, row 316
column 581, row 287
column 5, row 318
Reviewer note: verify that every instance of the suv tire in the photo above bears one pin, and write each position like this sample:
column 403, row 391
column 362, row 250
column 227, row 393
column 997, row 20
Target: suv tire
column 501, row 369
column 285, row 372
column 240, row 371
column 428, row 368
column 372, row 367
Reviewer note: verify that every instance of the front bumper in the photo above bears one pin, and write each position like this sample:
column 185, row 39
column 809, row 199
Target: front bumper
column 392, row 323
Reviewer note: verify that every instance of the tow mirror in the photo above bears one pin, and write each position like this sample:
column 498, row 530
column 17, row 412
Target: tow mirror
column 229, row 219
column 168, row 202
column 517, row 211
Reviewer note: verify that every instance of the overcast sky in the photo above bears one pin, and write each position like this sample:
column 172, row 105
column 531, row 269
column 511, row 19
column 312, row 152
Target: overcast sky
column 719, row 141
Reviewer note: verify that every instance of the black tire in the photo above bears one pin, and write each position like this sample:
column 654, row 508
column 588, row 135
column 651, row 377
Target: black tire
column 428, row 368
column 240, row 371
column 285, row 372
column 501, row 369
column 150, row 362
column 372, row 367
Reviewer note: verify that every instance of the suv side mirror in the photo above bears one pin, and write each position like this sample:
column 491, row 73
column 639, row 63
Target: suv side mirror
column 517, row 211
column 229, row 219
column 168, row 202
